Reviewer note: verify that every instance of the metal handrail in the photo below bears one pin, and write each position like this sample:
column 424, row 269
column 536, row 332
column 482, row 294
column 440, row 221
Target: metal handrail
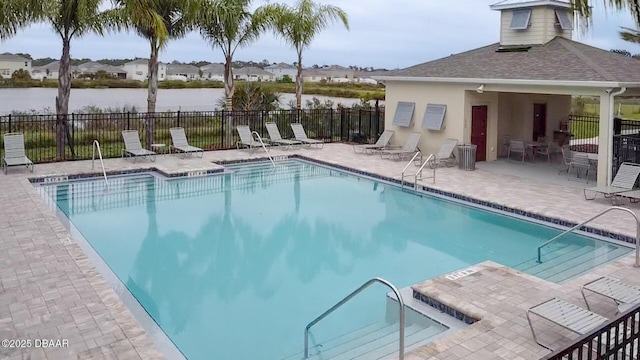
column 347, row 298
column 407, row 166
column 264, row 147
column 96, row 145
column 591, row 219
column 415, row 185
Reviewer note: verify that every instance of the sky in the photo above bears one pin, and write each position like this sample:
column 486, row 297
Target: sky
column 383, row 34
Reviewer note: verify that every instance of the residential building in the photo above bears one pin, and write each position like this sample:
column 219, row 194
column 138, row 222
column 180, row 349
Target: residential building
column 282, row 69
column 520, row 87
column 333, row 73
column 48, row 71
column 92, row 68
column 252, row 73
column 183, row 72
column 139, row 70
column 213, row 72
column 9, row 63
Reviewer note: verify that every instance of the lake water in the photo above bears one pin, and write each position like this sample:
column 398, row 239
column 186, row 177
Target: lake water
column 41, row 99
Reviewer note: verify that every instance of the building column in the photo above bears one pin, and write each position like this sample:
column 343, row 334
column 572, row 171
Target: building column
column 606, row 124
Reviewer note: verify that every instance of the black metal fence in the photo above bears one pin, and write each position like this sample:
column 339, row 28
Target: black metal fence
column 618, row 339
column 586, row 129
column 206, row 130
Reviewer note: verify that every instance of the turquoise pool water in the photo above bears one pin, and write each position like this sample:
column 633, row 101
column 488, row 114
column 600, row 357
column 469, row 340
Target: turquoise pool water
column 234, row 266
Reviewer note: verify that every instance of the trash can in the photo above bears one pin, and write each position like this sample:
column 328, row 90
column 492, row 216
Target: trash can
column 467, row 156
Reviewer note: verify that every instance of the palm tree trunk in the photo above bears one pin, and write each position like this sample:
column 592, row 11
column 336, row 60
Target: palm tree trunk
column 152, row 92
column 299, row 82
column 229, row 89
column 62, row 100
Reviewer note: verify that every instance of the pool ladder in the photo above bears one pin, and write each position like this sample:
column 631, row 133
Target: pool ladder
column 577, row 227
column 264, row 147
column 418, row 175
column 96, row 145
column 349, row 297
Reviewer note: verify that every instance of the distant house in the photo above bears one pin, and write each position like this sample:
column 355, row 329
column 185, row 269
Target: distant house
column 92, row 68
column 251, row 73
column 213, row 72
column 139, row 70
column 282, row 69
column 48, row 71
column 9, row 63
column 333, row 73
column 183, row 72
column 366, row 77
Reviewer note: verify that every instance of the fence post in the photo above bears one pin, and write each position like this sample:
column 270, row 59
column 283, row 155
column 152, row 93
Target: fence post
column 342, row 111
column 128, row 121
column 331, row 123
column 178, row 118
column 9, row 122
column 222, row 134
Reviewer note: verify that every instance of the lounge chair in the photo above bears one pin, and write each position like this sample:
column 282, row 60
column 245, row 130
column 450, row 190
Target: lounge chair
column 613, row 289
column 247, row 140
column 132, row 146
column 571, row 317
column 180, row 143
column 301, row 135
column 624, row 181
column 276, row 138
column 409, row 148
column 14, row 153
column 445, row 156
column 382, row 143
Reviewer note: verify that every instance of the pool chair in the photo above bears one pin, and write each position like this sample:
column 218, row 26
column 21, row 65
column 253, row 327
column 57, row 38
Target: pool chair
column 567, row 315
column 276, row 138
column 301, row 135
column 180, row 143
column 409, row 148
column 445, row 156
column 133, row 148
column 623, row 294
column 14, row 154
column 382, row 143
column 624, row 181
column 246, row 139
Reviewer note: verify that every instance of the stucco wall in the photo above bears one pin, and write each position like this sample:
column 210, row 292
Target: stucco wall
column 7, row 68
column 541, row 30
column 421, row 94
column 516, row 114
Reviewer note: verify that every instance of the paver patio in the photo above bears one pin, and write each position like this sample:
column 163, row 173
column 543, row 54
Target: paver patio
column 50, row 289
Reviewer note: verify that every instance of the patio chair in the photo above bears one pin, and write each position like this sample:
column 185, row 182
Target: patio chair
column 301, row 135
column 567, row 155
column 621, row 293
column 517, row 146
column 132, row 146
column 382, row 143
column 409, row 148
column 567, row 315
column 445, row 156
column 276, row 138
column 180, row 143
column 543, row 150
column 624, row 181
column 580, row 162
column 14, row 153
column 247, row 140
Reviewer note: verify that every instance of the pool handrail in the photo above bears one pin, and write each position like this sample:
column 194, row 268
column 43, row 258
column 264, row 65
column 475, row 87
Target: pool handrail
column 431, row 158
column 347, row 298
column 637, row 264
column 263, row 146
column 96, row 145
column 407, row 166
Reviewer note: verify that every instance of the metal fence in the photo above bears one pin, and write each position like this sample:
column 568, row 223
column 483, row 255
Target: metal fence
column 626, row 148
column 618, row 339
column 210, row 130
column 586, row 129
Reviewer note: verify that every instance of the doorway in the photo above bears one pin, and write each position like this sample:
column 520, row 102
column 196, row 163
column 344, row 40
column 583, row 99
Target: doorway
column 479, row 131
column 539, row 121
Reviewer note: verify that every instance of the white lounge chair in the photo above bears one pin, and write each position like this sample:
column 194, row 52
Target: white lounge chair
column 409, row 148
column 246, row 139
column 613, row 289
column 14, row 153
column 132, row 146
column 301, row 135
column 445, row 156
column 180, row 143
column 382, row 143
column 276, row 138
column 624, row 181
column 571, row 317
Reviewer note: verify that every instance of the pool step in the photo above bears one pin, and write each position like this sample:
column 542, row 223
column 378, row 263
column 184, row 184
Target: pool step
column 601, row 258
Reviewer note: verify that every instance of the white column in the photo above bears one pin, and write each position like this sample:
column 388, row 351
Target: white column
column 606, row 126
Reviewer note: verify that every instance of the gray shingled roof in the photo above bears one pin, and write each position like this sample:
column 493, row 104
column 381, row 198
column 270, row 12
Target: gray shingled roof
column 12, row 57
column 559, row 59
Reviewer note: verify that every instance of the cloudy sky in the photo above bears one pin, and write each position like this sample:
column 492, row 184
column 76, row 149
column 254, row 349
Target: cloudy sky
column 383, row 33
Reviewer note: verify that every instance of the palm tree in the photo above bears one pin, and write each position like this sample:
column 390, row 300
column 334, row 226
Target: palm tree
column 583, row 8
column 14, row 15
column 158, row 21
column 229, row 25
column 299, row 25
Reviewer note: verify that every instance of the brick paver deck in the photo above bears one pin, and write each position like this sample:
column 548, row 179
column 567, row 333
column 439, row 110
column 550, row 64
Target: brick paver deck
column 50, row 290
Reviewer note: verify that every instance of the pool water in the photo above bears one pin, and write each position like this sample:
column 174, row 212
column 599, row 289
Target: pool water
column 234, row 266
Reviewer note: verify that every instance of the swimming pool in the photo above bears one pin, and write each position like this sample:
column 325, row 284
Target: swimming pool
column 234, row 266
